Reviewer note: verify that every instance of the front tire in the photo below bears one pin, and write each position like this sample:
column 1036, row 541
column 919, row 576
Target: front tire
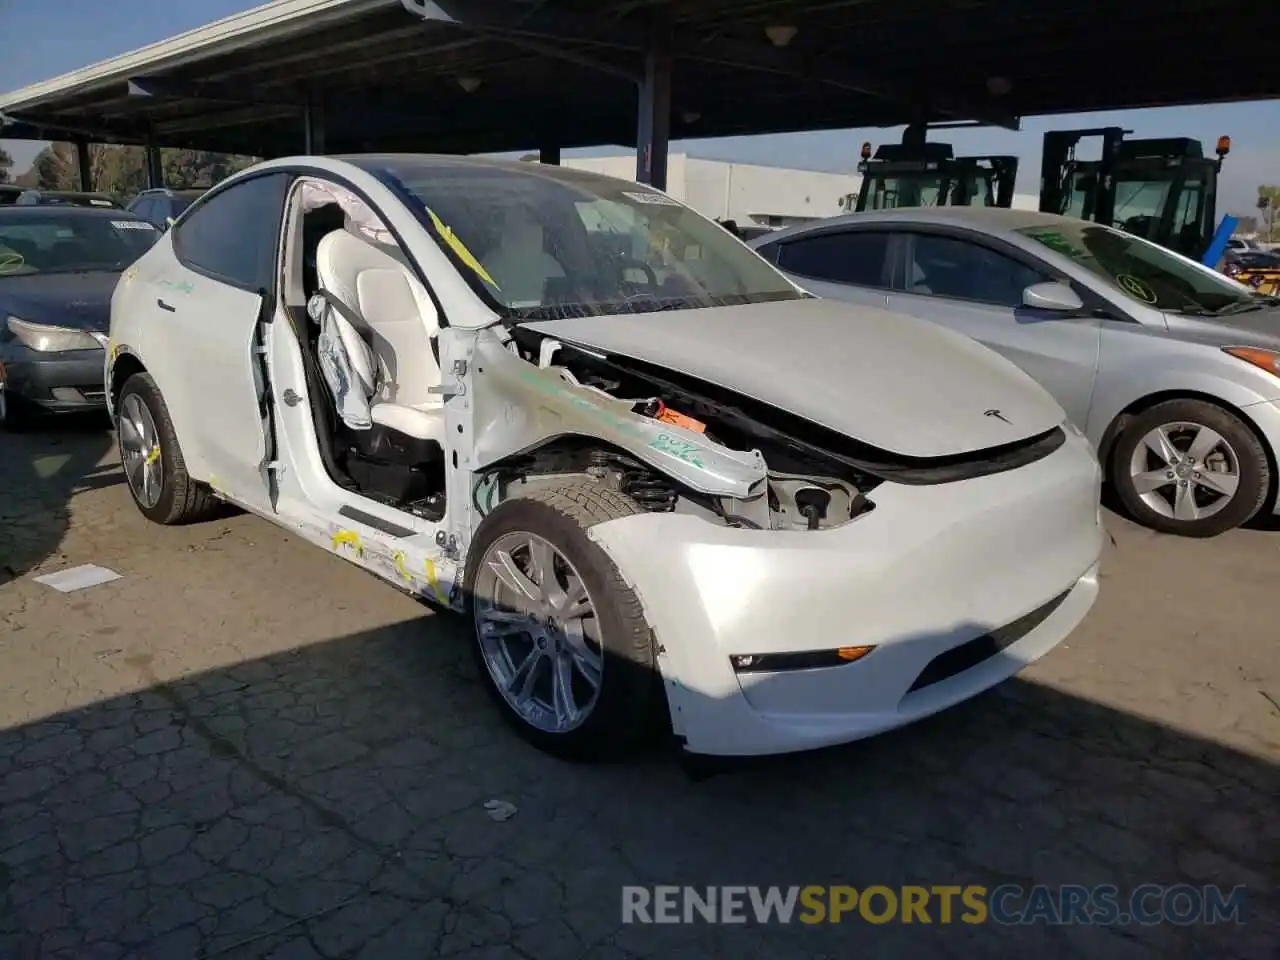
column 561, row 641
column 152, row 460
column 1190, row 468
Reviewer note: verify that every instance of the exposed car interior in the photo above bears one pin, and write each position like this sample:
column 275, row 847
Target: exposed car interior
column 367, row 332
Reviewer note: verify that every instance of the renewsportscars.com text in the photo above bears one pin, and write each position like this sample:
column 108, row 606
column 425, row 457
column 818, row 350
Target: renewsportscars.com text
column 1181, row 904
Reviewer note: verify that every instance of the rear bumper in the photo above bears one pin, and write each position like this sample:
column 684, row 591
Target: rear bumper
column 56, row 382
column 956, row 587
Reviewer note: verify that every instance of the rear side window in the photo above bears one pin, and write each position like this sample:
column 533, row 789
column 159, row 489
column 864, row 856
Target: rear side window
column 232, row 235
column 855, row 257
column 949, row 267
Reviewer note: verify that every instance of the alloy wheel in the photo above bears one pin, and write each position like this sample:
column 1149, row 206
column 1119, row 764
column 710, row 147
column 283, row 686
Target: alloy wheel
column 1185, row 471
column 538, row 632
column 140, row 450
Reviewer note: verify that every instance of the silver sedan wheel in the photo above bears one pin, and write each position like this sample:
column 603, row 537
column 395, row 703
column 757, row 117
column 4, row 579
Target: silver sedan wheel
column 538, row 632
column 1185, row 471
column 140, row 451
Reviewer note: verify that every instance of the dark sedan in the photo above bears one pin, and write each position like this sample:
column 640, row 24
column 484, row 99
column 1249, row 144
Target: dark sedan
column 58, row 269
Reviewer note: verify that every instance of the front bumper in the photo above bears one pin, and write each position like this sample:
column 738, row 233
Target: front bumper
column 66, row 382
column 930, row 570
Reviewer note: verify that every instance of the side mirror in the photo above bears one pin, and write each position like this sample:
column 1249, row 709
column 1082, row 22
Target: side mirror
column 1052, row 295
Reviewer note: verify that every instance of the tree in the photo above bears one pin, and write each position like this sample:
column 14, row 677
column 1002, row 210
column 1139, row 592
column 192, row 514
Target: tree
column 55, row 167
column 122, row 171
column 6, row 164
column 1268, row 201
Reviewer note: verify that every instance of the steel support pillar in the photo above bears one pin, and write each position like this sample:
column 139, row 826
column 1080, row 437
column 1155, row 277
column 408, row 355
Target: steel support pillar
column 653, row 131
column 549, row 154
column 155, row 170
column 82, row 165
column 313, row 129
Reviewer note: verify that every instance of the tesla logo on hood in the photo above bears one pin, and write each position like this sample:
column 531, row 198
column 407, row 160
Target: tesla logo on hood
column 997, row 414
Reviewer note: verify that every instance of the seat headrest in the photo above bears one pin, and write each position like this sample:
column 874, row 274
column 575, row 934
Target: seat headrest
column 355, row 269
column 342, row 256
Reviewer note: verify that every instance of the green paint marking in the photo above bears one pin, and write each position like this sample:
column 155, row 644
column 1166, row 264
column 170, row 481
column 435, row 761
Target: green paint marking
column 680, row 449
column 685, row 450
column 183, row 287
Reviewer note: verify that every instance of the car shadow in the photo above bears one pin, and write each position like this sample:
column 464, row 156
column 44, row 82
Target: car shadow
column 40, row 470
column 331, row 801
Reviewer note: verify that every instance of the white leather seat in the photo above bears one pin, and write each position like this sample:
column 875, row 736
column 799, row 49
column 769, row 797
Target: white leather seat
column 519, row 264
column 386, row 329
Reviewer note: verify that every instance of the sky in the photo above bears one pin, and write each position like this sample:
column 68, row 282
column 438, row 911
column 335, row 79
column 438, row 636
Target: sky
column 105, row 30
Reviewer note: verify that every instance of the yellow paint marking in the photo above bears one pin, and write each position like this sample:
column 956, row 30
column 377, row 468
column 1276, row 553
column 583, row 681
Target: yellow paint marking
column 348, row 538
column 460, row 248
column 398, row 560
column 153, row 456
column 434, row 582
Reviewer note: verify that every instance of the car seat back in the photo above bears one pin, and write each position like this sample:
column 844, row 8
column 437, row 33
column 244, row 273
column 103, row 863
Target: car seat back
column 396, row 316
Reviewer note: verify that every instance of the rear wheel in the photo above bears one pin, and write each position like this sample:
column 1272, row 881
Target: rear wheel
column 1190, row 468
column 15, row 417
column 152, row 459
column 561, row 640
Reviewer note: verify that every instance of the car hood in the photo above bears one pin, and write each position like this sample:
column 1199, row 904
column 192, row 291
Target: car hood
column 1255, row 328
column 897, row 383
column 78, row 300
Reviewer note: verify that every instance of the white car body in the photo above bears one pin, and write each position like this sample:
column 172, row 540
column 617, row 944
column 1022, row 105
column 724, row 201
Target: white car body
column 933, row 567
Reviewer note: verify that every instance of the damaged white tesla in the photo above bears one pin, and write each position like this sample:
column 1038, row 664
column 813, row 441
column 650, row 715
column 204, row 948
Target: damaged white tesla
column 660, row 479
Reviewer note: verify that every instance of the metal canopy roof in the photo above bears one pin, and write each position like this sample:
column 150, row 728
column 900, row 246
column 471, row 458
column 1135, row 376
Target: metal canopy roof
column 487, row 75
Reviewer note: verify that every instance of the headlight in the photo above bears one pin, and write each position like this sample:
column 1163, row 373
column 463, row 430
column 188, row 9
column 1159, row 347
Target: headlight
column 44, row 338
column 1268, row 360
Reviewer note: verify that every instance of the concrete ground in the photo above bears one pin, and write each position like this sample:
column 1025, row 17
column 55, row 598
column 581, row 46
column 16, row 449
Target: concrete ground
column 248, row 748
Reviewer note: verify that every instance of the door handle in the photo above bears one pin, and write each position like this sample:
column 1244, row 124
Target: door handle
column 164, row 306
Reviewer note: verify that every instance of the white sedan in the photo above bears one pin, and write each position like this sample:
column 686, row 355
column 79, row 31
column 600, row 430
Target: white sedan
column 658, row 476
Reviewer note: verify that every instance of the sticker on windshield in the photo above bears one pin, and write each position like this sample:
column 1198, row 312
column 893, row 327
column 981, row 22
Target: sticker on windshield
column 654, row 199
column 131, row 225
column 1136, row 288
column 99, row 203
column 1058, row 243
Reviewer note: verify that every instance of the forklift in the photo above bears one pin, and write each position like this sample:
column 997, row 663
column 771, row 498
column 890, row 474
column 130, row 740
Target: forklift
column 1163, row 190
column 915, row 173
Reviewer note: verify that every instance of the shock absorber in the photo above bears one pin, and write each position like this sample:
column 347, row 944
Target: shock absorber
column 650, row 492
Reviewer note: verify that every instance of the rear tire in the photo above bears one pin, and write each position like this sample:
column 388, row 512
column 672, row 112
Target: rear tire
column 179, row 499
column 15, row 416
column 1190, row 468
column 624, row 711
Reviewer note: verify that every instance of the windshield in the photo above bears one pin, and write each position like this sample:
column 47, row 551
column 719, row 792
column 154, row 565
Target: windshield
column 905, row 190
column 70, row 242
column 1145, row 272
column 551, row 242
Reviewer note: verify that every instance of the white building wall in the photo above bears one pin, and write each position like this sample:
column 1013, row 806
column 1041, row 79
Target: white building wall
column 749, row 193
column 744, row 192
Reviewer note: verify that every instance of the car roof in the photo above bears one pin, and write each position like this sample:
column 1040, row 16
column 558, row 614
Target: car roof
column 59, row 210
column 443, row 163
column 985, row 219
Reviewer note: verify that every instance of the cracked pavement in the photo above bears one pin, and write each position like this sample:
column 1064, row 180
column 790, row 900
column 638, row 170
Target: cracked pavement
column 246, row 748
